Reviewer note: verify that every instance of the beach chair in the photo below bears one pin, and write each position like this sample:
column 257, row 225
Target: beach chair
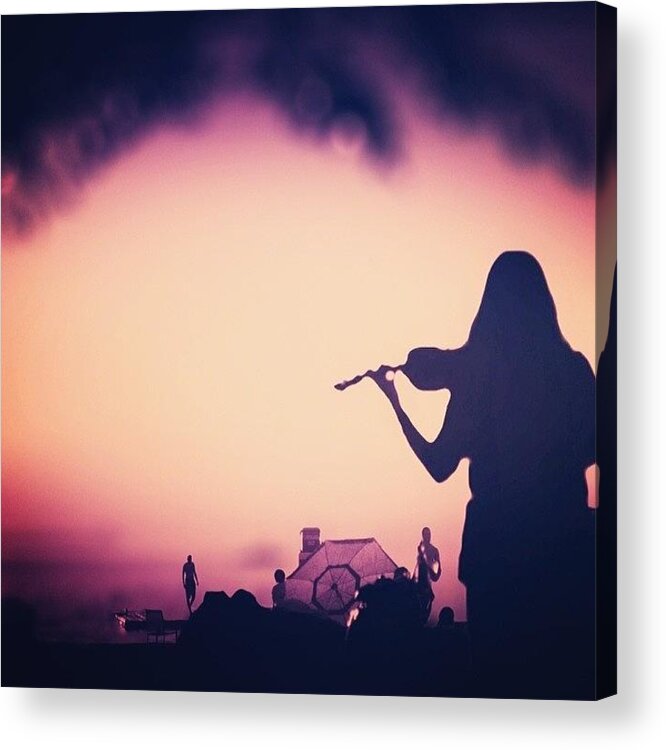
column 158, row 628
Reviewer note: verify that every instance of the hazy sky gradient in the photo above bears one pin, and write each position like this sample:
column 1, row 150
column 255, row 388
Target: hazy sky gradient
column 171, row 340
column 210, row 218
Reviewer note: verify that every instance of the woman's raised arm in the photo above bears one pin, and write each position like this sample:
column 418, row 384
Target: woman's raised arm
column 440, row 457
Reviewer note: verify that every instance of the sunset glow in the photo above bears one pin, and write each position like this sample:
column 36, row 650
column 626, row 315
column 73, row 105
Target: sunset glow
column 171, row 338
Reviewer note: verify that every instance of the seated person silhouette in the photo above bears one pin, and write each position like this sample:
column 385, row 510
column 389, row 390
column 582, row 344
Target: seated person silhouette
column 279, row 592
column 190, row 582
column 404, row 593
column 446, row 620
column 452, row 654
column 401, row 574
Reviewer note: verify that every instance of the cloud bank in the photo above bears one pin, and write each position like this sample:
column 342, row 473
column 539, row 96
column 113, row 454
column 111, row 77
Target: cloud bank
column 77, row 90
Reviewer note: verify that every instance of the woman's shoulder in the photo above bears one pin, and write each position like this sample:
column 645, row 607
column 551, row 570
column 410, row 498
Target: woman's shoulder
column 581, row 365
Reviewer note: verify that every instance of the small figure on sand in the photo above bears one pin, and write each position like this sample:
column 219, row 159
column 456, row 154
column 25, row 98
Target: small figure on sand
column 190, row 582
column 428, row 570
column 279, row 592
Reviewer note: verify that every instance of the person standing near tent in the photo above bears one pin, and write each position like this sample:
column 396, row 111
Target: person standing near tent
column 428, row 570
column 190, row 582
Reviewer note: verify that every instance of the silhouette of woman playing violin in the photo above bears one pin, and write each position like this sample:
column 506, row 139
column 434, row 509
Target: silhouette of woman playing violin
column 522, row 410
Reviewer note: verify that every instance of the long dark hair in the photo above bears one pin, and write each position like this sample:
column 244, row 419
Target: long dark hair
column 517, row 315
column 515, row 336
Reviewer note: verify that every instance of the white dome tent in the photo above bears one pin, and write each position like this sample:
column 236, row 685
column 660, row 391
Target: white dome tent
column 330, row 573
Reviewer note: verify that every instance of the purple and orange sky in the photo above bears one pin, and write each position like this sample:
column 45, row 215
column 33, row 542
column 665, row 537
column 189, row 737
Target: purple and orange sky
column 174, row 321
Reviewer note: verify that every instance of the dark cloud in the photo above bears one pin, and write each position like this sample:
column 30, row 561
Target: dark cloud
column 78, row 89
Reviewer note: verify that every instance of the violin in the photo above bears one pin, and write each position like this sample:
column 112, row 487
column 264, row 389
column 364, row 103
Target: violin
column 428, row 369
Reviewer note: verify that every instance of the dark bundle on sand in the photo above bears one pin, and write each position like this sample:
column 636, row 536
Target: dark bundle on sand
column 30, row 662
column 234, row 644
column 391, row 652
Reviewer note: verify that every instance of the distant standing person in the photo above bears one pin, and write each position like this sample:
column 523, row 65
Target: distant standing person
column 279, row 592
column 190, row 582
column 428, row 570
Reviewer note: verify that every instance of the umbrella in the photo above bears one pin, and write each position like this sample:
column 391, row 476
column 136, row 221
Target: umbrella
column 330, row 578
